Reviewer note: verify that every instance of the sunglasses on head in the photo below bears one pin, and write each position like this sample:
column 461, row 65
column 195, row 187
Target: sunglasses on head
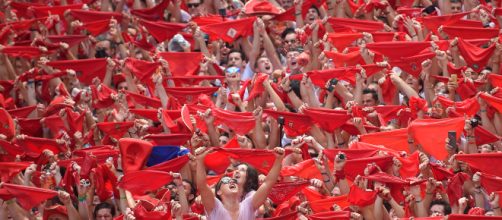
column 228, row 180
column 193, row 5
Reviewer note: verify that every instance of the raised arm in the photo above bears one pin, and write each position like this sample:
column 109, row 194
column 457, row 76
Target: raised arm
column 261, row 194
column 206, row 194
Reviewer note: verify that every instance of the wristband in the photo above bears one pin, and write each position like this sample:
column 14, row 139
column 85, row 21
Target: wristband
column 9, row 202
column 498, row 207
column 82, row 198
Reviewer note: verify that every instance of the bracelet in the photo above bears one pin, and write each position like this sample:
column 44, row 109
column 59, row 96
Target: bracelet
column 82, row 198
column 482, row 110
column 341, row 144
column 9, row 202
column 429, row 193
column 498, row 207
column 323, row 173
column 327, row 181
column 419, row 201
column 298, row 14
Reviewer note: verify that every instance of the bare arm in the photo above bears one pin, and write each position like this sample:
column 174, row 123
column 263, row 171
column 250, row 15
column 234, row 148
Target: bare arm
column 261, row 194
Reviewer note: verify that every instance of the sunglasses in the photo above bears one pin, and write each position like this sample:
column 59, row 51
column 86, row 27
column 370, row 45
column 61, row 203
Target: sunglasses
column 193, row 5
column 232, row 70
column 228, row 180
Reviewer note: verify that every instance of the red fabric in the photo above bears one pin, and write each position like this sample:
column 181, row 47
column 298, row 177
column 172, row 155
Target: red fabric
column 345, row 59
column 44, row 11
column 151, row 114
column 295, row 124
column 491, row 183
column 360, row 197
column 168, row 139
column 398, row 49
column 96, row 28
column 483, row 162
column 186, row 95
column 141, row 69
column 218, row 161
column 492, row 101
column 320, row 77
column 7, row 127
column 282, row 192
column 134, row 153
column 305, row 169
column 267, row 157
column 34, row 146
column 10, row 169
column 28, row 197
column 89, row 16
column 86, row 69
column 324, row 205
column 290, row 216
column 440, row 173
column 395, row 139
column 154, row 13
column 145, row 101
column 413, row 64
column 23, row 112
column 341, row 215
column 474, row 56
column 27, row 52
column 230, row 30
column 495, row 80
column 162, row 31
column 469, row 106
column 240, row 122
column 327, row 119
column 342, row 40
column 57, row 209
column 356, row 24
column 289, row 15
column 139, row 182
column 173, row 165
column 193, row 80
column 474, row 33
column 260, row 7
column 257, row 88
column 483, row 136
column 182, row 64
column 140, row 213
column 115, row 129
column 349, row 153
column 356, row 166
column 433, row 22
column 472, row 217
column 421, row 129
column 454, row 188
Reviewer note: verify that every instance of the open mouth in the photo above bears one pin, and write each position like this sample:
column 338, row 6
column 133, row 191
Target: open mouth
column 232, row 186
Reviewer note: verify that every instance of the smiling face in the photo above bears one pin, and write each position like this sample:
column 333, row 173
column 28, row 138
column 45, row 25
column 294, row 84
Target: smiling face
column 311, row 16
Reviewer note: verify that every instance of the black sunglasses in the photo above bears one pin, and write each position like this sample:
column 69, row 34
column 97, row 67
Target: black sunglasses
column 193, row 5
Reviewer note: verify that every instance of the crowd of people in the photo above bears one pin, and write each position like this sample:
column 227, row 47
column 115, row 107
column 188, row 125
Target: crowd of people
column 259, row 109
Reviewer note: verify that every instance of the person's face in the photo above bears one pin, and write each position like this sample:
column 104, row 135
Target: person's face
column 286, row 4
column 311, row 16
column 456, row 7
column 228, row 186
column 223, row 140
column 437, row 210
column 122, row 86
column 240, row 174
column 104, row 214
column 368, row 100
column 193, row 6
column 291, row 59
column 235, row 59
column 440, row 88
column 413, row 82
column 104, row 45
column 188, row 188
column 290, row 41
column 486, row 148
column 264, row 65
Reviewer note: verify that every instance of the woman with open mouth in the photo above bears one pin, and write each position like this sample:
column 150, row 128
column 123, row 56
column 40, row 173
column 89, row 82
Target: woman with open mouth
column 225, row 202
